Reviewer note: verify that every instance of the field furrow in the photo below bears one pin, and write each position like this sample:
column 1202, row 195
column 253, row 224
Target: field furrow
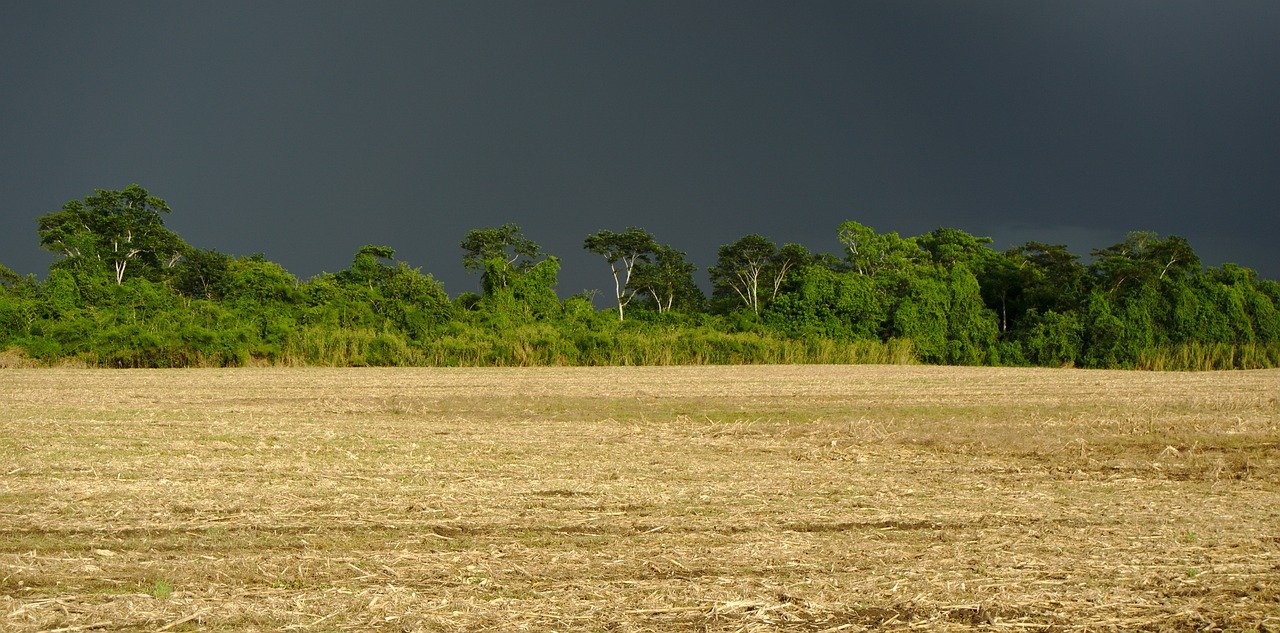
column 814, row 498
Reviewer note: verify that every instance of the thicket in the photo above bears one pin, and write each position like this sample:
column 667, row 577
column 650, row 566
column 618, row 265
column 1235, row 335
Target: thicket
column 127, row 292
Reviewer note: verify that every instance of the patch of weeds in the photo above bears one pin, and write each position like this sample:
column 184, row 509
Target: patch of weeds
column 634, row 509
column 12, row 584
column 291, row 583
column 561, row 538
column 1192, row 572
column 515, row 593
column 981, row 615
column 227, row 438
column 161, row 589
column 703, row 511
column 559, row 492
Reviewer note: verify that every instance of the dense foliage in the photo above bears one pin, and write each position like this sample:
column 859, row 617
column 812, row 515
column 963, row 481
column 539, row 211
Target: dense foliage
column 128, row 292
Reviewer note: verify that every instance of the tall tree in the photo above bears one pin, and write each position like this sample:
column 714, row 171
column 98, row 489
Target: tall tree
column 870, row 253
column 753, row 269
column 820, row 302
column 1142, row 259
column 922, row 314
column 203, row 274
column 668, row 277
column 623, row 251
column 948, row 247
column 115, row 229
column 256, row 283
column 1027, row 282
column 971, row 326
column 1000, row 280
column 1052, row 276
column 8, row 278
column 370, row 267
column 496, row 253
column 17, row 304
column 414, row 301
column 790, row 257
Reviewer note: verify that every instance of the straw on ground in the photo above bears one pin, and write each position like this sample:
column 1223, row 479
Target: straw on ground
column 639, row 499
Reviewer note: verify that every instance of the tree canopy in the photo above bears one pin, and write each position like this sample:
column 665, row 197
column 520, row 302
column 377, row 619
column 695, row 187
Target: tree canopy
column 126, row 291
column 113, row 229
column 624, row 251
column 498, row 252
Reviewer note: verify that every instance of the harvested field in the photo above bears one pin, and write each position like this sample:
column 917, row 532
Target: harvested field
column 639, row 499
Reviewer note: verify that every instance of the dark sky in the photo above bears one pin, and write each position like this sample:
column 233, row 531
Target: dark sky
column 305, row 130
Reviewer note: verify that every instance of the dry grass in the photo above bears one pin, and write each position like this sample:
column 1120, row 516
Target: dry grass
column 13, row 358
column 639, row 499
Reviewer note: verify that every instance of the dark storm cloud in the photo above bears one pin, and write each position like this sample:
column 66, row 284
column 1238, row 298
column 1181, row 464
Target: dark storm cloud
column 305, row 130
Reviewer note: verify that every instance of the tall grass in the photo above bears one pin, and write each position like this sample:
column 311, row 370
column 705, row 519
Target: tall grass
column 535, row 346
column 342, row 347
column 598, row 342
column 1210, row 357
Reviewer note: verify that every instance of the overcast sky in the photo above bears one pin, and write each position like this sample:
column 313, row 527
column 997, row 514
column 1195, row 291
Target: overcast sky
column 306, row 130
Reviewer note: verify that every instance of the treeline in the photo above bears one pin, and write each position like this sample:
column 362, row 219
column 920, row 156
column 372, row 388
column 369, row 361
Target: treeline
column 128, row 292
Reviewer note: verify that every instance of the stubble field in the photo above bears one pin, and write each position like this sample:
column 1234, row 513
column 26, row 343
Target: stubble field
column 639, row 499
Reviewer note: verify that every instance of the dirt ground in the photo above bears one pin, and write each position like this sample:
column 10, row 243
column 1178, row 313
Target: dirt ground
column 814, row 498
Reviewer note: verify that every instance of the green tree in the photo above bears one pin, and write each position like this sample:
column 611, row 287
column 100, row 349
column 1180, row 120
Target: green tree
column 1052, row 278
column 824, row 303
column 971, row 327
column 415, row 302
column 529, row 296
column 1140, row 333
column 115, row 229
column 667, row 279
column 1233, row 291
column 17, row 305
column 1262, row 309
column 59, row 298
column 266, row 298
column 870, row 253
column 1143, row 259
column 10, row 279
column 377, row 292
column 624, row 251
column 535, row 289
column 1103, row 331
column 1120, row 331
column 256, row 283
column 921, row 314
column 1002, row 284
column 203, row 274
column 753, row 269
column 370, row 266
column 995, row 275
column 1053, row 339
column 948, row 247
column 497, row 253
